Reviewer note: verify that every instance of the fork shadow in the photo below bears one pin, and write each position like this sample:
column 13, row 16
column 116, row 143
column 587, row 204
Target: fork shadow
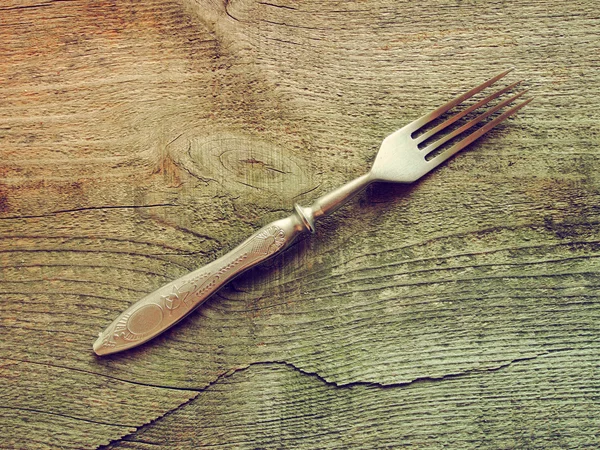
column 382, row 192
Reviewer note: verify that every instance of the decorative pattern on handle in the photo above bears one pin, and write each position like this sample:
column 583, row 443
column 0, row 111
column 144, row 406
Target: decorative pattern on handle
column 151, row 315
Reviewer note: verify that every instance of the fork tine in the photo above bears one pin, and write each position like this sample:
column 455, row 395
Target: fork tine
column 423, row 137
column 477, row 134
column 414, row 126
column 431, row 147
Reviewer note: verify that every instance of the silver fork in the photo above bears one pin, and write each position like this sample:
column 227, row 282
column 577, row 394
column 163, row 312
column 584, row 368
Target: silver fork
column 404, row 157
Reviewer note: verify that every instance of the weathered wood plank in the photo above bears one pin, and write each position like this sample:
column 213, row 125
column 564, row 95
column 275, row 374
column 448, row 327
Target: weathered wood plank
column 284, row 408
column 139, row 140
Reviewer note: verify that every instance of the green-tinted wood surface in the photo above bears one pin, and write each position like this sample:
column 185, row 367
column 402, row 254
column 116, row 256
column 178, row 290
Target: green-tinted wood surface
column 140, row 140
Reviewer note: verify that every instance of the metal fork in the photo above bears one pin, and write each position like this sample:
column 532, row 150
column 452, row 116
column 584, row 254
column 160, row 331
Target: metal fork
column 404, row 157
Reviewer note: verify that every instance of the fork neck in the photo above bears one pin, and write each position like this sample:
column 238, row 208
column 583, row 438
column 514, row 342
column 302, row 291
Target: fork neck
column 332, row 201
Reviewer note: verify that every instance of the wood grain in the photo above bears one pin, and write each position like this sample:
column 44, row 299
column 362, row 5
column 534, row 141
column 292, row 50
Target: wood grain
column 140, row 140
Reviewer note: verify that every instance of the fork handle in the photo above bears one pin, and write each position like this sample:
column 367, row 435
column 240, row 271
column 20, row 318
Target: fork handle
column 165, row 307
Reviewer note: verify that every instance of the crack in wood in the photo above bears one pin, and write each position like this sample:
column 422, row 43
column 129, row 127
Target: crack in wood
column 88, row 208
column 375, row 384
column 67, row 416
column 291, row 8
column 100, row 374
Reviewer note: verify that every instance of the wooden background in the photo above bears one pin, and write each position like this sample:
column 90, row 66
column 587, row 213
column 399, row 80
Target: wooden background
column 141, row 139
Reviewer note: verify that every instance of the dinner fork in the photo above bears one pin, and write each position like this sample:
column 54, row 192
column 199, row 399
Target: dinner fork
column 404, row 157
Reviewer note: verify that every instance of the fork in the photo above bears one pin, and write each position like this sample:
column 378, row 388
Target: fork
column 404, row 157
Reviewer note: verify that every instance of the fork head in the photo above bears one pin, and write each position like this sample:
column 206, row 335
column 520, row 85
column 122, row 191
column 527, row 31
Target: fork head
column 412, row 151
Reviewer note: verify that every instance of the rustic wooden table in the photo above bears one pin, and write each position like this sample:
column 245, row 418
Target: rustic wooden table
column 141, row 139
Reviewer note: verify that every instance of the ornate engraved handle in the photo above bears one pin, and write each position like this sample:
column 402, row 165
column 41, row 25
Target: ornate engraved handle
column 165, row 307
